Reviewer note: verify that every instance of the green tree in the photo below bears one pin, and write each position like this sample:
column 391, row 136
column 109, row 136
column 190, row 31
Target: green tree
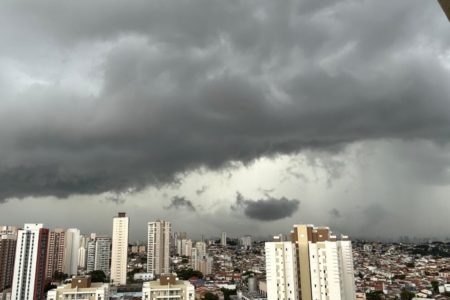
column 49, row 286
column 60, row 276
column 435, row 286
column 406, row 295
column 376, row 295
column 98, row 276
column 227, row 293
column 185, row 274
column 210, row 296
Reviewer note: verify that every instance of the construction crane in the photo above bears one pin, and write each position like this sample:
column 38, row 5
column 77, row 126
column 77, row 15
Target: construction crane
column 445, row 4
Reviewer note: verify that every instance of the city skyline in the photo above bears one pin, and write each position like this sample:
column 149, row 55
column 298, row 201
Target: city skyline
column 218, row 116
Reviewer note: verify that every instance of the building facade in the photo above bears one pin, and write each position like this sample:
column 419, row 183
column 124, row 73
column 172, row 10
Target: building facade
column 281, row 270
column 55, row 252
column 158, row 247
column 223, row 239
column 98, row 254
column 314, row 265
column 168, row 287
column 119, row 252
column 71, row 250
column 325, row 264
column 29, row 268
column 8, row 240
column 80, row 288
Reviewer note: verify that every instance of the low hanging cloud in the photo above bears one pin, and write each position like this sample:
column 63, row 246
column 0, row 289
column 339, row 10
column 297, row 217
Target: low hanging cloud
column 269, row 209
column 201, row 190
column 335, row 213
column 138, row 93
column 179, row 202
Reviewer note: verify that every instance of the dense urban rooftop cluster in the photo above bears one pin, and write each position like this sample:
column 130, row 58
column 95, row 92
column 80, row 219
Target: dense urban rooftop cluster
column 386, row 270
column 224, row 268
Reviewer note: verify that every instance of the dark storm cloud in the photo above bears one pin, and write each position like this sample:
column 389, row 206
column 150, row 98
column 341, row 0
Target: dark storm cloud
column 203, row 83
column 269, row 209
column 178, row 202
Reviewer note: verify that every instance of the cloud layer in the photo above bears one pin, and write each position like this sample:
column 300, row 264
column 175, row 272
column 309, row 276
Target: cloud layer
column 269, row 209
column 105, row 96
column 178, row 202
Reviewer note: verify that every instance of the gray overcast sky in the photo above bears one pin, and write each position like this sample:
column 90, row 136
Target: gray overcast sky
column 245, row 116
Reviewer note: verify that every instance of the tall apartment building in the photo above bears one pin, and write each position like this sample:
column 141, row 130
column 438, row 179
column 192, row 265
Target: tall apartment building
column 325, row 264
column 82, row 252
column 55, row 252
column 186, row 247
column 322, row 268
column 119, row 252
column 245, row 242
column 72, row 246
column 158, row 247
column 29, row 268
column 223, row 239
column 98, row 254
column 90, row 255
column 8, row 240
column 205, row 265
column 281, row 270
column 201, row 249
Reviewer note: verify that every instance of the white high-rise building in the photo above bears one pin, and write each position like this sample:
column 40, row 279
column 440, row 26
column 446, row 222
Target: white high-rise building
column 29, row 268
column 71, row 251
column 119, row 252
column 98, row 254
column 281, row 270
column 246, row 242
column 201, row 249
column 321, row 265
column 194, row 259
column 90, row 255
column 186, row 248
column 82, row 252
column 158, row 247
column 331, row 268
column 102, row 254
column 223, row 239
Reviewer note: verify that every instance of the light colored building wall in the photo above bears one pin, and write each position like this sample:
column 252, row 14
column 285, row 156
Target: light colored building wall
column 281, row 270
column 181, row 290
column 119, row 253
column 72, row 245
column 29, row 267
column 158, row 247
column 97, row 291
column 223, row 239
column 102, row 254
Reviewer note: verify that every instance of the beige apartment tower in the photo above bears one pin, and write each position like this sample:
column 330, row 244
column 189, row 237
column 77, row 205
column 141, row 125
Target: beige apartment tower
column 119, row 251
column 324, row 264
column 158, row 247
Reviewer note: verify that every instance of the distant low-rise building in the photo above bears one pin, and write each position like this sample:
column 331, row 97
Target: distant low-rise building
column 143, row 276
